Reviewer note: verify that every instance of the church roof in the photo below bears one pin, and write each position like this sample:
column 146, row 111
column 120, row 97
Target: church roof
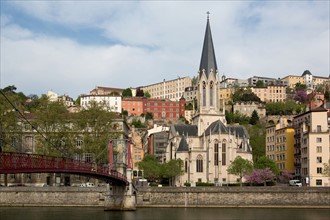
column 216, row 127
column 208, row 60
column 219, row 127
column 240, row 131
column 183, row 146
column 190, row 130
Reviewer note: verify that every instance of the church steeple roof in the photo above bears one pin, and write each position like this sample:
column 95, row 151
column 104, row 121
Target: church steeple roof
column 208, row 60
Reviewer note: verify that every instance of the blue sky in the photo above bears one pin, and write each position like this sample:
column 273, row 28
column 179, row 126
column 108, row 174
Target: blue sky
column 70, row 47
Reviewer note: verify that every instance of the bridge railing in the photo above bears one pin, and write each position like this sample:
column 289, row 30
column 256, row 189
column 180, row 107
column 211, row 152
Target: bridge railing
column 22, row 163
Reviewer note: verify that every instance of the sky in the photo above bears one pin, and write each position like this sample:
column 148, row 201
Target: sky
column 70, row 47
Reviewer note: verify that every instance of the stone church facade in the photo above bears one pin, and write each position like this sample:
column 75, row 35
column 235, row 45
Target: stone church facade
column 208, row 145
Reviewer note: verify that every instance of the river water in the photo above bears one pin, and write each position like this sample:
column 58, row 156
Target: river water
column 82, row 213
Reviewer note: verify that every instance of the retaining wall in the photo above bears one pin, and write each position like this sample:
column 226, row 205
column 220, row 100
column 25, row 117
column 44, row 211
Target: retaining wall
column 171, row 197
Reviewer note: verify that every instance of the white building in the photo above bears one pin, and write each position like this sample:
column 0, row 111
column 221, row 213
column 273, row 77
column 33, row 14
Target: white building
column 110, row 103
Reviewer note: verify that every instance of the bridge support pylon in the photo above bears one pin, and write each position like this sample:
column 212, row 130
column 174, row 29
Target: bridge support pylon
column 121, row 197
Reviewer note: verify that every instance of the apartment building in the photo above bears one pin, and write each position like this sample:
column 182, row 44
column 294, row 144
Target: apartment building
column 311, row 146
column 164, row 109
column 161, row 109
column 133, row 105
column 266, row 81
column 109, row 103
column 247, row 108
column 306, row 78
column 100, row 90
column 171, row 89
column 271, row 93
column 280, row 145
column 190, row 93
column 293, row 80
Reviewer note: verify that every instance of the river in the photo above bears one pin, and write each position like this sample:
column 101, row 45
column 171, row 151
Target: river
column 81, row 213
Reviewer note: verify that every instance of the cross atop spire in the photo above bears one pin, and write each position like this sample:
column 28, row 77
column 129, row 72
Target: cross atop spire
column 208, row 14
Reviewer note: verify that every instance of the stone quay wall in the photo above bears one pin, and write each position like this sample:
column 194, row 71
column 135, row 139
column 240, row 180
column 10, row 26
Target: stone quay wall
column 52, row 196
column 234, row 197
column 294, row 197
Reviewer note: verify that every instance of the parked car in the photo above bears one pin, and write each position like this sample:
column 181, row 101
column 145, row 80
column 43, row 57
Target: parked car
column 295, row 183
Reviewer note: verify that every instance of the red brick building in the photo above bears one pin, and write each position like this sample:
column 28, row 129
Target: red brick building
column 159, row 108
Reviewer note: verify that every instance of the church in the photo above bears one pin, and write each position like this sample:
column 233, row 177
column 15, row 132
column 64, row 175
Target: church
column 208, row 145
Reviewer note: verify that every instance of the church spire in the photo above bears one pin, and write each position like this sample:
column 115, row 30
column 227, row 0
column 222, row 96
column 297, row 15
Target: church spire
column 208, row 60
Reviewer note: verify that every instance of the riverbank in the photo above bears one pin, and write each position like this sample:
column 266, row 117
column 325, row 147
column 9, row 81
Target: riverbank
column 261, row 197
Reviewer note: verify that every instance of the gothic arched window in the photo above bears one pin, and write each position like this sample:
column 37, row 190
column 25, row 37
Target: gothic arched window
column 216, row 154
column 204, row 93
column 199, row 164
column 211, row 93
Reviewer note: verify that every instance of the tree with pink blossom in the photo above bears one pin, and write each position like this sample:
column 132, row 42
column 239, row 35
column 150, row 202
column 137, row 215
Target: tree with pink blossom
column 300, row 96
column 285, row 176
column 260, row 176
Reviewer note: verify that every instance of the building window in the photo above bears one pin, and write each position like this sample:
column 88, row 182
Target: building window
column 223, row 154
column 211, row 93
column 216, row 154
column 318, row 140
column 199, row 164
column 319, row 182
column 318, row 159
column 186, row 166
column 318, row 128
column 319, row 170
column 204, row 93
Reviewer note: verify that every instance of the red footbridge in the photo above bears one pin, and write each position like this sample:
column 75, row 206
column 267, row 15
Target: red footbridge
column 11, row 163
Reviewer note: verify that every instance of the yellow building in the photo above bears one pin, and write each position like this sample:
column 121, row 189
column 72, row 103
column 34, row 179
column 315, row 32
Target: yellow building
column 293, row 80
column 284, row 149
column 280, row 145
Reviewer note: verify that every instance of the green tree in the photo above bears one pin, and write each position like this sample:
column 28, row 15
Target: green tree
column 96, row 127
column 148, row 116
column 240, row 167
column 326, row 169
column 137, row 123
column 151, row 168
column 260, row 83
column 300, row 86
column 147, row 94
column 52, row 121
column 264, row 162
column 254, row 118
column 257, row 135
column 172, row 169
column 127, row 93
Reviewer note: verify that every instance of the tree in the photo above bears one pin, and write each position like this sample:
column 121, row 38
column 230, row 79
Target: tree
column 260, row 176
column 254, row 118
column 147, row 94
column 240, row 167
column 151, row 168
column 95, row 125
column 264, row 162
column 326, row 169
column 285, row 176
column 149, row 116
column 300, row 86
column 139, row 93
column 300, row 96
column 260, row 84
column 172, row 169
column 127, row 93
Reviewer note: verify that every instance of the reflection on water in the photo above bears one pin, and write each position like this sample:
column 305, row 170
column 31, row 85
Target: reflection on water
column 80, row 213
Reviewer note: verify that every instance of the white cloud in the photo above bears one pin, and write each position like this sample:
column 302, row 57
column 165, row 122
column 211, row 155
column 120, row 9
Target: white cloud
column 161, row 40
